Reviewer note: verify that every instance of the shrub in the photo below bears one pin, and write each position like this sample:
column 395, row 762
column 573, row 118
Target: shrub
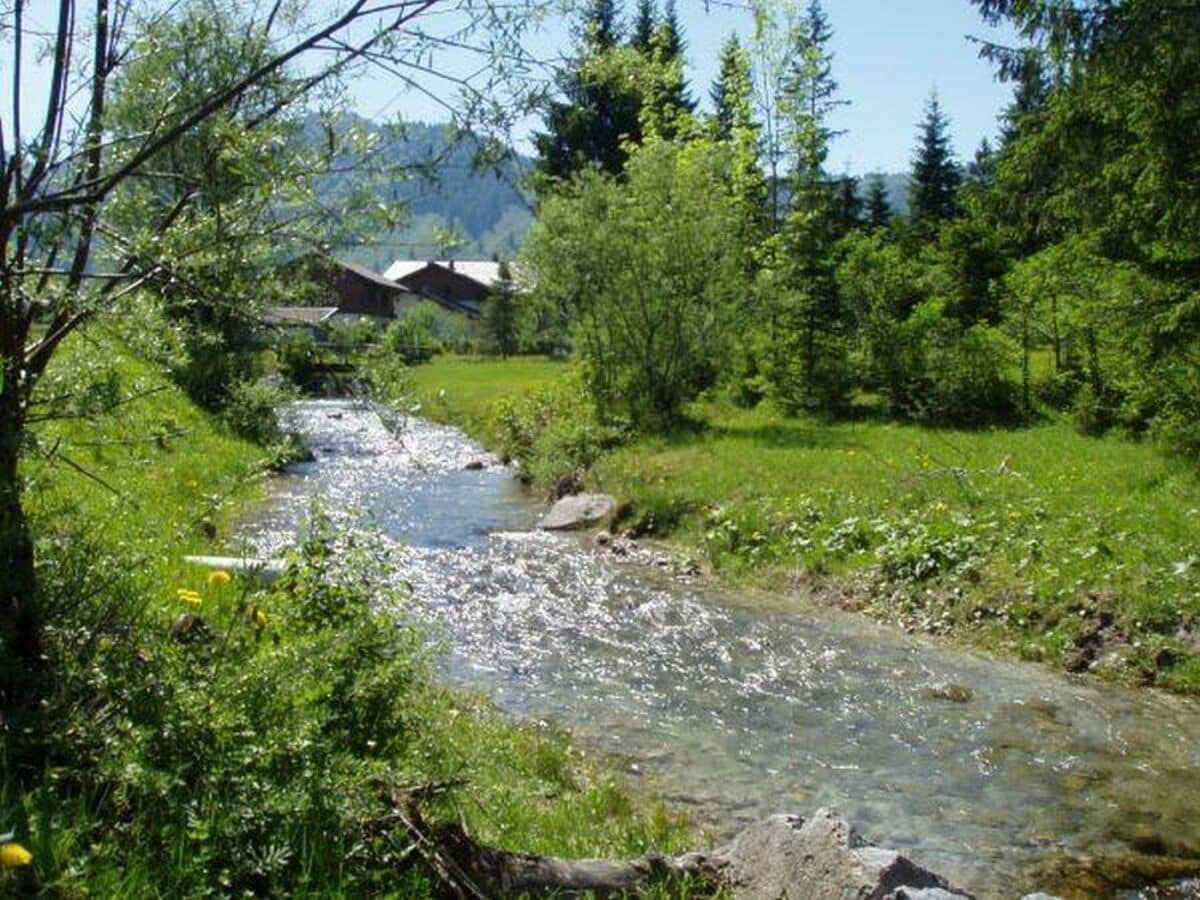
column 957, row 377
column 250, row 409
column 649, row 273
column 208, row 369
column 553, row 432
column 968, row 377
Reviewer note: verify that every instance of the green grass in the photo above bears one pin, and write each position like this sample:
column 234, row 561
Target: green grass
column 1018, row 539
column 463, row 390
column 192, row 749
column 155, row 475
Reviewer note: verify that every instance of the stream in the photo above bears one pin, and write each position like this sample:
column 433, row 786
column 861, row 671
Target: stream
column 736, row 704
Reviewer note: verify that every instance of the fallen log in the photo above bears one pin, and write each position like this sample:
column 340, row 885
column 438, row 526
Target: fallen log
column 257, row 567
column 784, row 856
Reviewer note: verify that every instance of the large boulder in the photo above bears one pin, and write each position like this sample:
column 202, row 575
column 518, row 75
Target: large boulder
column 578, row 511
column 822, row 858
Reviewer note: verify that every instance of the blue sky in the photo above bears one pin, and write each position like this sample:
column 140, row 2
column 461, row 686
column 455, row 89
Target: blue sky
column 889, row 55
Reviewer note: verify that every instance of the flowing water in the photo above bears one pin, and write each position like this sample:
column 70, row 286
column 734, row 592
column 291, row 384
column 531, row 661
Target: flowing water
column 740, row 704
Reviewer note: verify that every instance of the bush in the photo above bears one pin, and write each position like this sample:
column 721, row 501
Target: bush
column 1176, row 423
column 1058, row 390
column 552, row 432
column 649, row 273
column 957, row 377
column 208, row 369
column 969, row 377
column 238, row 747
column 250, row 410
column 296, row 353
column 426, row 330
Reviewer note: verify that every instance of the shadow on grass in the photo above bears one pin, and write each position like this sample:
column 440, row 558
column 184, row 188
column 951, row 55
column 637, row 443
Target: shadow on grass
column 783, row 433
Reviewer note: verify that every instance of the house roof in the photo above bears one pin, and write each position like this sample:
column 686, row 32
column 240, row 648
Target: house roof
column 483, row 271
column 370, row 275
column 297, row 315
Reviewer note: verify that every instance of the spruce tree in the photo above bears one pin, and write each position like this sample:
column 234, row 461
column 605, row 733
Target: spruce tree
column 847, row 205
column 981, row 170
column 666, row 111
column 878, row 207
column 500, row 315
column 733, row 82
column 601, row 29
column 733, row 123
column 644, row 23
column 935, row 178
column 598, row 111
column 674, row 48
column 809, row 366
column 676, row 45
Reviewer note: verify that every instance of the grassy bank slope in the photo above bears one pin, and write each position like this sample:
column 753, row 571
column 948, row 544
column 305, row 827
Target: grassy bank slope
column 1057, row 547
column 202, row 736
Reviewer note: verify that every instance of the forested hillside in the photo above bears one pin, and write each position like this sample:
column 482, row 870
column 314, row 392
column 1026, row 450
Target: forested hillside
column 446, row 197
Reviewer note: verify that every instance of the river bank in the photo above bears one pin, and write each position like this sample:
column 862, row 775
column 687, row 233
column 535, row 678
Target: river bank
column 1038, row 543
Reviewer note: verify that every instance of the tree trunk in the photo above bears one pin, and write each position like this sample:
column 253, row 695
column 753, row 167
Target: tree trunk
column 20, row 622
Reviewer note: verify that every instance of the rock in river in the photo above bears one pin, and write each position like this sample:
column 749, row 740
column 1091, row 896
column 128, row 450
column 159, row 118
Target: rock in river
column 578, row 511
column 823, row 857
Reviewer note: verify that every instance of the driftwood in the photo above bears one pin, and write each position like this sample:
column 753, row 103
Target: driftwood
column 782, row 857
column 474, row 871
column 255, row 567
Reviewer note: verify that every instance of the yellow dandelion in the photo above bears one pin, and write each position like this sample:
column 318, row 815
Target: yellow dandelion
column 188, row 596
column 14, row 856
column 218, row 577
column 260, row 618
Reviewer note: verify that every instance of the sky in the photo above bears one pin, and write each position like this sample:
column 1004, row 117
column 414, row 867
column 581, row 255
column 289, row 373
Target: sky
column 889, row 55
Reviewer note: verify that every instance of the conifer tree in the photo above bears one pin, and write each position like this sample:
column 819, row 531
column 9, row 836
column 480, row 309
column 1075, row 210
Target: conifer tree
column 733, row 123
column 847, row 205
column 809, row 354
column 644, row 23
column 666, row 112
column 878, row 208
column 732, row 85
column 601, row 28
column 676, row 45
column 598, row 111
column 981, row 170
column 500, row 314
column 674, row 48
column 935, row 178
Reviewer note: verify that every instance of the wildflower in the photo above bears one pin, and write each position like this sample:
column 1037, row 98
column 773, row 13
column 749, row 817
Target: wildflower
column 260, row 618
column 188, row 596
column 218, row 577
column 14, row 856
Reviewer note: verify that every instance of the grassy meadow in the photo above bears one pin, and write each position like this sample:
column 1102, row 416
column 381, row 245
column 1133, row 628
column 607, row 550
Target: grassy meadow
column 1047, row 544
column 208, row 736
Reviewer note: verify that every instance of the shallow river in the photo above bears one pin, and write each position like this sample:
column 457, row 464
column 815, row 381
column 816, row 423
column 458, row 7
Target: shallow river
column 743, row 705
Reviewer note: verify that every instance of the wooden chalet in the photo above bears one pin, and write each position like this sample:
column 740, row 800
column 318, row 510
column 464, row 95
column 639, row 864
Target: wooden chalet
column 459, row 285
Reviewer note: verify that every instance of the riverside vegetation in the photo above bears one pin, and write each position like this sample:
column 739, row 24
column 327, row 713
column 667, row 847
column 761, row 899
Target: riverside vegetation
column 982, row 414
